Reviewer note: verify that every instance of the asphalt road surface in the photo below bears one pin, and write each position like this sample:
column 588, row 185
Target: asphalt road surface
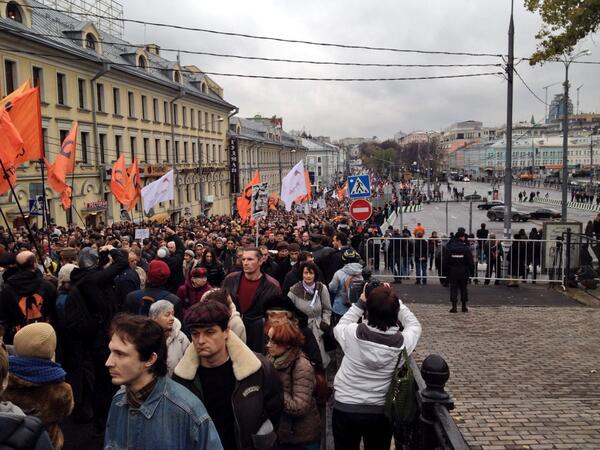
column 457, row 214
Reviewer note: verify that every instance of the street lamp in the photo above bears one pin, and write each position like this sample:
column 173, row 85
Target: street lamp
column 567, row 60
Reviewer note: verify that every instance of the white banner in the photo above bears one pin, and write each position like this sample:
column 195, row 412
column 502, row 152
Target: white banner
column 293, row 185
column 158, row 191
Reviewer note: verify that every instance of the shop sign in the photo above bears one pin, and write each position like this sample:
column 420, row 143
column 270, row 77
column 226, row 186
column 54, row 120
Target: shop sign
column 97, row 205
column 234, row 172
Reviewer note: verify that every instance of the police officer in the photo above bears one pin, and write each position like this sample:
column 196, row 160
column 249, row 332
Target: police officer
column 459, row 261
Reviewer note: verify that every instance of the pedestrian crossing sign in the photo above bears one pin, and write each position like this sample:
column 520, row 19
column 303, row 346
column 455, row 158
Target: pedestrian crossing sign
column 359, row 186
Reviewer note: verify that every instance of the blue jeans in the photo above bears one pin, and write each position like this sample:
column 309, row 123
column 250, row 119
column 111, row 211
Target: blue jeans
column 421, row 268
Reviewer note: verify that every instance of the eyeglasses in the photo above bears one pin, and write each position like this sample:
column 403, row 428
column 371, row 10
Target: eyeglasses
column 272, row 341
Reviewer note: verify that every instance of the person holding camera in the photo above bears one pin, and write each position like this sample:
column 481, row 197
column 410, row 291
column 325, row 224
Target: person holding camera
column 312, row 298
column 339, row 286
column 371, row 350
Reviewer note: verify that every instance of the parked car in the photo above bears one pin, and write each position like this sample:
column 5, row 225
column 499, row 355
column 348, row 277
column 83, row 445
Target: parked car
column 545, row 213
column 474, row 197
column 488, row 205
column 467, row 179
column 497, row 213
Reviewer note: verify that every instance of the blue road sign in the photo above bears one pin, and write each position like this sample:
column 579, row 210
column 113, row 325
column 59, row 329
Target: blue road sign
column 359, row 186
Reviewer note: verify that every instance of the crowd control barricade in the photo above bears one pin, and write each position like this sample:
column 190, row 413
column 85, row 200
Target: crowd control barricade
column 495, row 259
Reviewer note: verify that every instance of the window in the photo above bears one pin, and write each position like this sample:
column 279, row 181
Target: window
column 199, row 119
column 175, row 115
column 212, row 123
column 157, row 150
column 193, row 151
column 184, row 116
column 38, row 79
column 177, row 76
column 14, row 12
column 185, row 152
column 166, row 111
column 102, row 141
column 143, row 62
column 131, row 104
column 155, row 109
column 219, row 155
column 167, row 150
column 100, row 97
column 205, row 121
column 61, row 88
column 82, row 93
column 214, row 154
column 219, row 120
column 145, row 149
column 176, row 152
column 132, row 145
column 144, row 107
column 63, row 135
column 90, row 41
column 117, row 101
column 10, row 75
column 85, row 137
column 118, row 143
column 192, row 118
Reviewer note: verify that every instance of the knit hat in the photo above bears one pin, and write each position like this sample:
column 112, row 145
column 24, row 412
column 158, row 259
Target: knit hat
column 189, row 253
column 64, row 274
column 158, row 272
column 199, row 272
column 206, row 313
column 88, row 258
column 36, row 340
column 350, row 256
column 162, row 252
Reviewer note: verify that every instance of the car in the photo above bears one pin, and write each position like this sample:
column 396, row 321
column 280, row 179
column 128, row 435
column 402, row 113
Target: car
column 474, row 197
column 467, row 179
column 488, row 205
column 497, row 213
column 545, row 213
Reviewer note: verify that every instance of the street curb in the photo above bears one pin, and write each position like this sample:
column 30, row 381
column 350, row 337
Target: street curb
column 581, row 296
column 574, row 205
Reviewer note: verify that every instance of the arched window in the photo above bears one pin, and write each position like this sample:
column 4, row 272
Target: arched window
column 143, row 62
column 177, row 76
column 13, row 11
column 90, row 41
column 204, row 88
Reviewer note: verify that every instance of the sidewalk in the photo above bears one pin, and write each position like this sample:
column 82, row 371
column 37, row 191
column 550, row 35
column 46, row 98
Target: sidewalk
column 521, row 377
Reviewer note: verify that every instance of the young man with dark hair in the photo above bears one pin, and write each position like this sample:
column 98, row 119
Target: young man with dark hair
column 151, row 410
column 371, row 351
column 241, row 389
column 250, row 289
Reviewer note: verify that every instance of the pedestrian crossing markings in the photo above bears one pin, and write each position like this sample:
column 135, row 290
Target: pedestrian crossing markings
column 359, row 188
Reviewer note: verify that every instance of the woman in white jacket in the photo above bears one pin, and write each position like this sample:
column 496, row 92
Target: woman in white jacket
column 371, row 350
column 163, row 313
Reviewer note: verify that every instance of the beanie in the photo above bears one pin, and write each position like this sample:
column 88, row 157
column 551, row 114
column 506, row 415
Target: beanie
column 209, row 312
column 189, row 253
column 64, row 274
column 88, row 258
column 350, row 256
column 36, row 340
column 158, row 272
column 162, row 252
column 199, row 272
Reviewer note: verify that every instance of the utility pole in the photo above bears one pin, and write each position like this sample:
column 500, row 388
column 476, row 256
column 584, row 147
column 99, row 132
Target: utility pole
column 565, row 158
column 509, row 114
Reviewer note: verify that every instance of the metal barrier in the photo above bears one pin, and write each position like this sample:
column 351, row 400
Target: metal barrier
column 582, row 260
column 495, row 260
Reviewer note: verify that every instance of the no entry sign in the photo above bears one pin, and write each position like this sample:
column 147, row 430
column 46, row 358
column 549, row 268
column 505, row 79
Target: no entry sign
column 361, row 210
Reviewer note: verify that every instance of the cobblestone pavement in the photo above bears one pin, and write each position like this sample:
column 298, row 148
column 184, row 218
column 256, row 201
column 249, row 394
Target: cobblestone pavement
column 521, row 377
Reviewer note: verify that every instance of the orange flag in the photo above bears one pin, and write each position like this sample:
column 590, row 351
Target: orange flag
column 18, row 91
column 134, row 184
column 341, row 191
column 58, row 185
column 65, row 161
column 308, row 196
column 119, row 181
column 10, row 139
column 26, row 115
column 244, row 201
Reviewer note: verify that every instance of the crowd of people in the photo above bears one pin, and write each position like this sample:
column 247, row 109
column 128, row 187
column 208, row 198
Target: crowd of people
column 208, row 334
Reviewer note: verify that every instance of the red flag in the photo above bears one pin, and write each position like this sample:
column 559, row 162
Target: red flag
column 65, row 161
column 244, row 201
column 58, row 185
column 18, row 91
column 119, row 181
column 10, row 139
column 134, row 185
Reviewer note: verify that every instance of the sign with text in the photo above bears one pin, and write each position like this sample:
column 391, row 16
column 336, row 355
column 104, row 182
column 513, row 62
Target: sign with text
column 142, row 233
column 234, row 170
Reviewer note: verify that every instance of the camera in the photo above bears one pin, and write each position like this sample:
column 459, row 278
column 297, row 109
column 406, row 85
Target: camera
column 368, row 283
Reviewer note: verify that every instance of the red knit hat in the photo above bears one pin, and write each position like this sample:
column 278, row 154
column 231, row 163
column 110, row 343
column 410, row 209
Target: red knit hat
column 199, row 272
column 158, row 272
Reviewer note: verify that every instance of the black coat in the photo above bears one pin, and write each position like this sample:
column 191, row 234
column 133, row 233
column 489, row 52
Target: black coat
column 175, row 263
column 459, row 260
column 23, row 433
column 126, row 282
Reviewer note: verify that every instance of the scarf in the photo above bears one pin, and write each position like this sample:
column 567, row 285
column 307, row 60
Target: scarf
column 137, row 399
column 310, row 288
column 36, row 370
column 279, row 361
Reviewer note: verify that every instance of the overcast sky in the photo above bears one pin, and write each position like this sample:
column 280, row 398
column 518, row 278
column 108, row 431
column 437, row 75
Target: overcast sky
column 342, row 109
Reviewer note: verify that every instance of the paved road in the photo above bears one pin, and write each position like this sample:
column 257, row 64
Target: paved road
column 433, row 216
column 520, row 377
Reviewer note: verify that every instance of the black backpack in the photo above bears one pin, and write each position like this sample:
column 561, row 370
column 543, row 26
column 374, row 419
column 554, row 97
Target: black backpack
column 74, row 317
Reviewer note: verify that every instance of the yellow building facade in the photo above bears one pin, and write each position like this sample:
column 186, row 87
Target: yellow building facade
column 128, row 101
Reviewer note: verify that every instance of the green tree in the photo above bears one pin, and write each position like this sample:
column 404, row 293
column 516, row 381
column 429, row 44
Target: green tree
column 565, row 22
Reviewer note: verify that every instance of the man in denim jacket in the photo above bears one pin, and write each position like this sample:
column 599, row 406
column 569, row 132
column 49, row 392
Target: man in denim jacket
column 151, row 411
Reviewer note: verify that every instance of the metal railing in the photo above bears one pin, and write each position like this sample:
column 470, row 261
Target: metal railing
column 582, row 260
column 494, row 260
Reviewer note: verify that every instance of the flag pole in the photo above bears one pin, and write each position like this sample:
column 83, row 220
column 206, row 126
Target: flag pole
column 8, row 228
column 25, row 219
column 71, row 207
column 45, row 220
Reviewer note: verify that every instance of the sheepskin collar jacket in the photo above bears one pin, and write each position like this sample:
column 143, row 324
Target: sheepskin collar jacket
column 257, row 396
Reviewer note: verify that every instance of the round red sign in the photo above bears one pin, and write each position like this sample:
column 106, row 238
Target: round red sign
column 361, row 209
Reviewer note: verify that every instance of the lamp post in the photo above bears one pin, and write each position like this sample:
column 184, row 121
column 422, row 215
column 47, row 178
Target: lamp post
column 565, row 169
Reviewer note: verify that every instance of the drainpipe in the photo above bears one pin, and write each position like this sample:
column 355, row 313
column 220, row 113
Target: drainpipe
column 105, row 68
column 173, row 106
